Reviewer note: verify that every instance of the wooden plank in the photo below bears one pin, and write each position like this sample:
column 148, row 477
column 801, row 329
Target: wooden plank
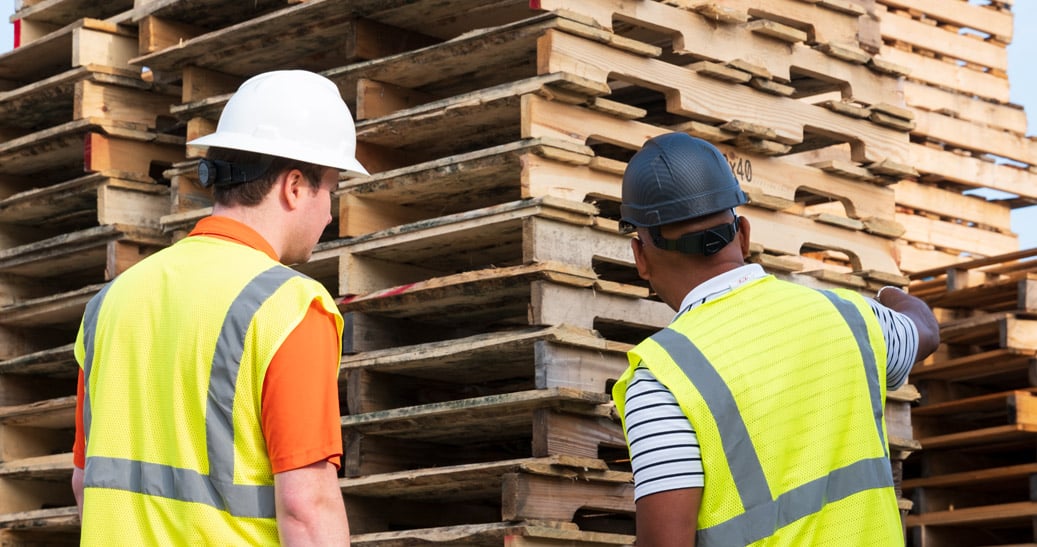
column 205, row 13
column 954, row 236
column 972, row 136
column 698, row 36
column 84, row 42
column 64, row 309
column 141, row 203
column 947, row 75
column 61, row 519
column 1016, row 292
column 1020, row 512
column 473, row 420
column 56, row 413
column 952, row 204
column 973, row 478
column 965, row 106
column 983, row 367
column 936, row 165
column 41, row 468
column 985, row 18
column 77, row 253
column 947, row 43
column 492, row 535
column 528, row 496
column 1004, row 329
column 709, row 100
column 63, row 12
column 56, row 362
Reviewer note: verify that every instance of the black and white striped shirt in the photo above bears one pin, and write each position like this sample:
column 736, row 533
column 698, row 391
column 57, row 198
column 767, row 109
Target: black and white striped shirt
column 664, row 449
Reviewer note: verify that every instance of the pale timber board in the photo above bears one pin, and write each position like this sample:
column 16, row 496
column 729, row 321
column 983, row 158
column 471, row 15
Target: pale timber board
column 1016, row 292
column 954, row 236
column 968, row 48
column 948, row 75
column 996, row 22
column 966, row 106
column 492, row 535
column 821, row 24
column 63, row 12
column 1013, row 261
column 492, row 417
column 913, row 258
column 55, row 362
column 61, row 310
column 1020, row 512
column 936, row 164
column 953, row 204
column 696, row 37
column 972, row 136
column 709, row 100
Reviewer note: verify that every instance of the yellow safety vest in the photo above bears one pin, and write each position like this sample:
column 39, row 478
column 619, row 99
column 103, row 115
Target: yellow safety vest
column 785, row 387
column 174, row 353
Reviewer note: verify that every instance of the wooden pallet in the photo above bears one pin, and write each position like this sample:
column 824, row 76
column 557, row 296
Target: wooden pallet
column 1007, row 524
column 552, row 489
column 992, row 18
column 82, row 43
column 98, row 198
column 769, row 51
column 946, row 42
column 37, row 19
column 998, row 418
column 1008, row 117
column 952, row 204
column 947, row 75
column 969, row 135
column 495, row 534
column 58, row 526
column 63, row 152
column 483, row 364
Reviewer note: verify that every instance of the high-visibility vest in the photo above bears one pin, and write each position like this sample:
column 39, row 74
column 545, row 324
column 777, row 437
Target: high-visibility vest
column 174, row 353
column 785, row 387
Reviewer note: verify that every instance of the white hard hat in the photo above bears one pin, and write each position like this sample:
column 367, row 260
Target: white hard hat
column 294, row 114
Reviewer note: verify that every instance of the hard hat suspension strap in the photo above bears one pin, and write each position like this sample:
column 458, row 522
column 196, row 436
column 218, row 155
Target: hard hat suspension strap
column 706, row 242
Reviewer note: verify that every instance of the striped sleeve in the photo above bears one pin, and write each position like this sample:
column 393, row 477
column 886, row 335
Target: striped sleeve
column 901, row 343
column 664, row 450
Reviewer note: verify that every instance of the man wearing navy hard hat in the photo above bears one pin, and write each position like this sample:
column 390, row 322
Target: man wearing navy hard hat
column 757, row 414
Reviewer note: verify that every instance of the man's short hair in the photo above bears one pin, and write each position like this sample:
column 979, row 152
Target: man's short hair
column 251, row 193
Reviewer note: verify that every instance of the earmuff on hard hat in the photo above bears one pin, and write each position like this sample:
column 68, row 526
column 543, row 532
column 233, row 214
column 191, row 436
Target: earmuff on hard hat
column 225, row 173
column 294, row 114
column 677, row 177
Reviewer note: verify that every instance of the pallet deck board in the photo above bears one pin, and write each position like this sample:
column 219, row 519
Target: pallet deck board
column 63, row 309
column 56, row 362
column 84, row 42
column 521, row 534
column 50, row 414
column 964, row 47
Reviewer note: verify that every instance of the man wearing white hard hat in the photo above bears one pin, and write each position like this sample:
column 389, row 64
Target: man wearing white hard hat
column 208, row 409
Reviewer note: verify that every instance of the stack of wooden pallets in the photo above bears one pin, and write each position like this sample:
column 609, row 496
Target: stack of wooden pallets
column 81, row 195
column 488, row 296
column 977, row 421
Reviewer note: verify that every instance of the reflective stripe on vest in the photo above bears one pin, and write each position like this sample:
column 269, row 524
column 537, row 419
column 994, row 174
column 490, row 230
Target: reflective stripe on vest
column 217, row 489
column 765, row 515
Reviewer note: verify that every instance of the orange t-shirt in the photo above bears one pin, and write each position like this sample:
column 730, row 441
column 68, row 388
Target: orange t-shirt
column 300, row 414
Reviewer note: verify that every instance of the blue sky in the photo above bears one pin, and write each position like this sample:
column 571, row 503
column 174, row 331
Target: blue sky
column 1023, row 80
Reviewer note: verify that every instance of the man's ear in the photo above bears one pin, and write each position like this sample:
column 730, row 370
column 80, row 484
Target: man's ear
column 641, row 259
column 291, row 184
column 743, row 235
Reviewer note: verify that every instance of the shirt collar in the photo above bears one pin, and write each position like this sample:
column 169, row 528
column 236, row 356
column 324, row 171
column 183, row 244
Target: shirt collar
column 721, row 284
column 229, row 229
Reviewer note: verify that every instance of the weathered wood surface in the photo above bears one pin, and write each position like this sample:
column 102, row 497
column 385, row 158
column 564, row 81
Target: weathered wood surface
column 983, row 420
column 84, row 42
column 937, row 164
column 482, row 365
column 947, row 75
column 710, row 100
column 63, row 12
column 990, row 18
column 1010, row 117
column 61, row 519
column 93, row 144
column 948, row 43
column 106, row 198
column 53, row 467
column 87, row 253
column 63, row 309
column 952, row 204
column 49, row 414
column 770, row 181
column 969, row 135
column 206, row 13
column 523, row 534
column 699, row 36
column 1001, row 330
column 56, row 362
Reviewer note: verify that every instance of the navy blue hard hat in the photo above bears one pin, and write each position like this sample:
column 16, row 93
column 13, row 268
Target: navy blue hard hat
column 676, row 177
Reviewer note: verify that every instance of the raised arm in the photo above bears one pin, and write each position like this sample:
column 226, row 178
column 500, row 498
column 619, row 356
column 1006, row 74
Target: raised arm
column 919, row 313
